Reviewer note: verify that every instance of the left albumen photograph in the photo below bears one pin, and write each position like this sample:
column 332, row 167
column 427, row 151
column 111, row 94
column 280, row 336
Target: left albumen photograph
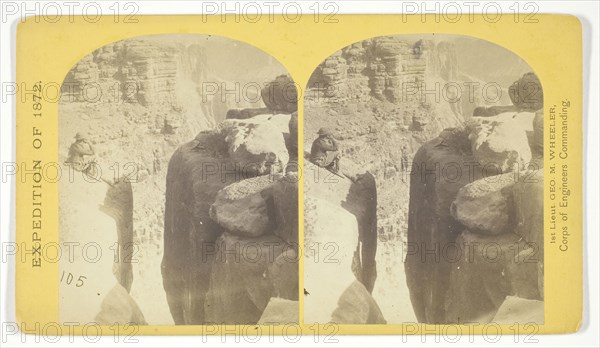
column 183, row 185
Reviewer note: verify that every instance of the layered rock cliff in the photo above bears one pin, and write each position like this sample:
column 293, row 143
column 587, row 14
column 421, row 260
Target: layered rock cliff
column 403, row 70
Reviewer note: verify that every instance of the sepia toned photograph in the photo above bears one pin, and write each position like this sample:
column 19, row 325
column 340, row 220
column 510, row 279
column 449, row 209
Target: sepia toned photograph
column 295, row 173
column 423, row 190
column 182, row 196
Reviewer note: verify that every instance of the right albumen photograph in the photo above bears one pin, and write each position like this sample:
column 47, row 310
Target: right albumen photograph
column 423, row 184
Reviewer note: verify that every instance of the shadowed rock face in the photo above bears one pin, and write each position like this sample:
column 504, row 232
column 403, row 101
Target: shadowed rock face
column 282, row 205
column 240, row 286
column 489, row 269
column 430, row 224
column 362, row 202
column 193, row 181
column 248, row 270
column 528, row 200
column 199, row 173
column 118, row 204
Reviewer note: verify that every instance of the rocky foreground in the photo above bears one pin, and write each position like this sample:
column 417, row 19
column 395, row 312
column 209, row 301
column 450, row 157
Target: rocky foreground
column 475, row 226
column 358, row 93
column 340, row 244
column 95, row 284
column 231, row 225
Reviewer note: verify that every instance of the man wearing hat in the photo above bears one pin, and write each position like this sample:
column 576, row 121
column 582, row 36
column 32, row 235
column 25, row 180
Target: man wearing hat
column 77, row 152
column 324, row 151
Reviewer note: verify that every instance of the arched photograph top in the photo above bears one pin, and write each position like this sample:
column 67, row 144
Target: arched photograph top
column 182, row 155
column 427, row 154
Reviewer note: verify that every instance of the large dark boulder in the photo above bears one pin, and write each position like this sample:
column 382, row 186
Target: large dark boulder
column 483, row 206
column 197, row 171
column 241, row 208
column 526, row 93
column 281, row 95
column 440, row 168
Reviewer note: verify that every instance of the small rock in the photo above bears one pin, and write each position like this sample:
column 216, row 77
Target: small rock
column 519, row 310
column 357, row 306
column 280, row 311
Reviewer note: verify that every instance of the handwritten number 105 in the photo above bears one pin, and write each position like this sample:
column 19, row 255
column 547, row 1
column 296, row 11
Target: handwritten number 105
column 68, row 278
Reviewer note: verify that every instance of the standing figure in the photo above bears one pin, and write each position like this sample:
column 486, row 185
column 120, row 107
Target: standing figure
column 156, row 165
column 404, row 163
